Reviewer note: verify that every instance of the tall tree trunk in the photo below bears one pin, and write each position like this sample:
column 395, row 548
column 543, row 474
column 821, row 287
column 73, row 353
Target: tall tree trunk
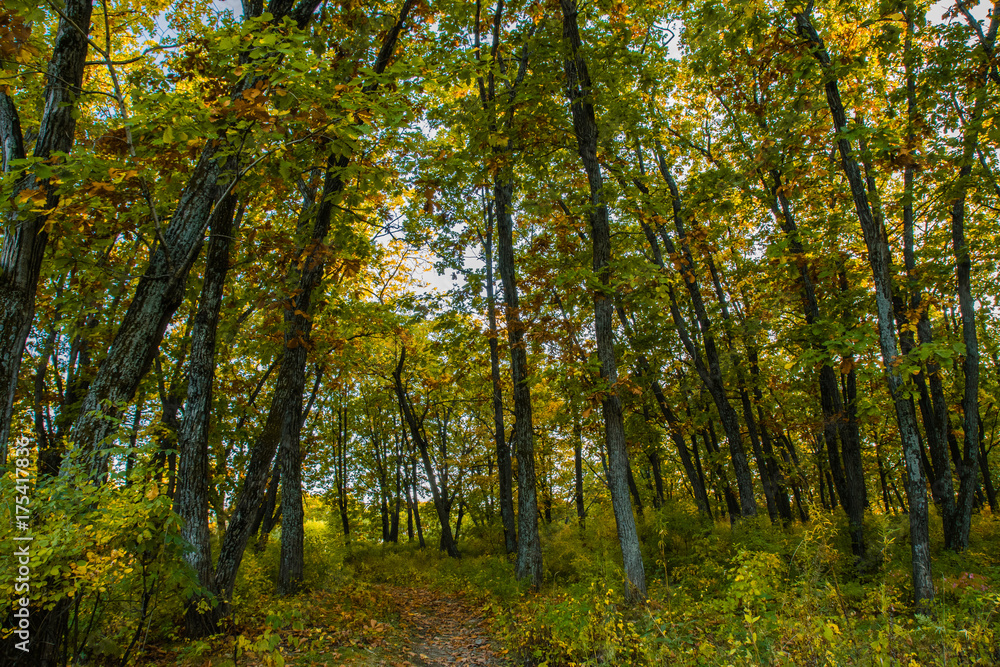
column 340, row 467
column 585, row 128
column 161, row 288
column 504, row 472
column 879, row 259
column 191, row 499
column 529, row 551
column 487, row 95
column 25, row 233
column 933, row 408
column 291, row 561
column 415, row 504
column 968, row 463
column 394, row 512
column 775, row 496
column 645, row 369
column 289, row 385
column 843, row 450
column 708, row 367
column 581, row 509
column 22, row 253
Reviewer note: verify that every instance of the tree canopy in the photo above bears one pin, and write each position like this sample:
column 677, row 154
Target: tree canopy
column 454, row 267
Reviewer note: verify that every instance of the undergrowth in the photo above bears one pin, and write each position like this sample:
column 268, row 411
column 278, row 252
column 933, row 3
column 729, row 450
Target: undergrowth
column 754, row 594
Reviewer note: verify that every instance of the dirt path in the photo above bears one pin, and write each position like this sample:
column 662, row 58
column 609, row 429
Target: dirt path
column 370, row 626
column 444, row 629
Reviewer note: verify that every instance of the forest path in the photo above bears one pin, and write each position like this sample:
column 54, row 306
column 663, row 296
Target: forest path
column 443, row 629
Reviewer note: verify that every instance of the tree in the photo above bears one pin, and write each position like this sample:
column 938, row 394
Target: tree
column 585, row 128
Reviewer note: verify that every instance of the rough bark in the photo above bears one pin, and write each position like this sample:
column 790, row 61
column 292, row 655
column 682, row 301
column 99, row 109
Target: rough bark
column 488, row 99
column 161, row 288
column 25, row 238
column 529, row 551
column 291, row 562
column 191, row 499
column 267, row 516
column 645, row 371
column 340, row 466
column 968, row 463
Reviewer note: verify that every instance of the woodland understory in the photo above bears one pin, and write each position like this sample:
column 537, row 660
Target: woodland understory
column 547, row 332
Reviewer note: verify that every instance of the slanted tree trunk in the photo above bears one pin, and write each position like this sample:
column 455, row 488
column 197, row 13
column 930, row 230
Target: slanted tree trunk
column 968, row 463
column 645, row 369
column 289, row 385
column 268, row 516
column 585, row 128
column 842, row 444
column 25, row 235
column 634, row 491
column 710, row 368
column 440, row 502
column 880, row 259
column 22, row 252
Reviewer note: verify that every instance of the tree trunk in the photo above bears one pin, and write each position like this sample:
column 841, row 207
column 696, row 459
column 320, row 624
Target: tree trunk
column 879, row 259
column 585, row 128
column 25, row 234
column 291, row 562
column 394, row 521
column 529, row 550
column 654, row 465
column 291, row 374
column 440, row 502
column 268, row 516
column 343, row 436
column 634, row 491
column 581, row 509
column 968, row 463
column 673, row 426
column 984, row 466
column 416, row 505
column 529, row 553
column 191, row 500
column 710, row 373
column 504, row 473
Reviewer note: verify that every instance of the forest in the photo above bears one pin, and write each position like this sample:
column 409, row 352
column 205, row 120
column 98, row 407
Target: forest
column 499, row 332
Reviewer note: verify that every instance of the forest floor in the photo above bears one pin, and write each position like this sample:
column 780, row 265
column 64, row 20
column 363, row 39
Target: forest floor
column 377, row 625
column 443, row 629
